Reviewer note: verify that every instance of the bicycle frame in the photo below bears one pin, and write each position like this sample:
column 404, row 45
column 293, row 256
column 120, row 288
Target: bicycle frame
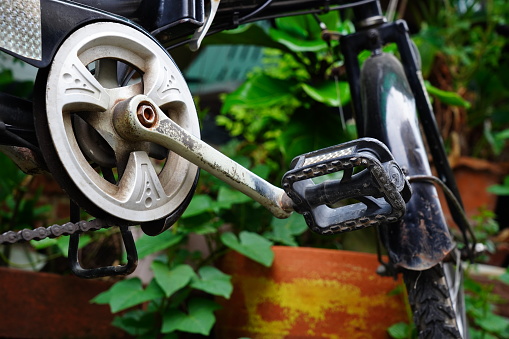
column 408, row 245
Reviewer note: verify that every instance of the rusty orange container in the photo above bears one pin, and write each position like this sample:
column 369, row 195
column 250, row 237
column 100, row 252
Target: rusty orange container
column 309, row 293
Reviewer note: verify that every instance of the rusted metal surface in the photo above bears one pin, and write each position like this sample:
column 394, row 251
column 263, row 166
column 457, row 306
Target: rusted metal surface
column 146, row 116
column 24, row 158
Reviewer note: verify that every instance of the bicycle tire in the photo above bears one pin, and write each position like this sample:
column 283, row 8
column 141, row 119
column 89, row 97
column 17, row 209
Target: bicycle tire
column 436, row 299
column 434, row 313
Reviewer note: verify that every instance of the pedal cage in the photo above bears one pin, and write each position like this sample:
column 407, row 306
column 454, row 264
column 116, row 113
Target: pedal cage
column 381, row 188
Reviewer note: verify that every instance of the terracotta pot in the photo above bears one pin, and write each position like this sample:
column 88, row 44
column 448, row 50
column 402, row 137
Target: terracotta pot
column 309, row 293
column 473, row 177
column 44, row 305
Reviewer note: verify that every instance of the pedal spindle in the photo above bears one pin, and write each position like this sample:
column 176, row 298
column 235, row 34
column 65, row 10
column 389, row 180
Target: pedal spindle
column 371, row 190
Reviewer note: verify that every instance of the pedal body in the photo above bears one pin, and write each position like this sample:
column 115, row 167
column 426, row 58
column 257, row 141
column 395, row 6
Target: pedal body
column 372, row 189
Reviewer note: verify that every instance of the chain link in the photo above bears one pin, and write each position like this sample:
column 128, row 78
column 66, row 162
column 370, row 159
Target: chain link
column 12, row 237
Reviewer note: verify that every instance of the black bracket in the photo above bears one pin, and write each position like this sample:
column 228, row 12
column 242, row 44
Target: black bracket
column 98, row 272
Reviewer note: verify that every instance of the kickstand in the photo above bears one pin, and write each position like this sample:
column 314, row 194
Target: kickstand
column 98, row 272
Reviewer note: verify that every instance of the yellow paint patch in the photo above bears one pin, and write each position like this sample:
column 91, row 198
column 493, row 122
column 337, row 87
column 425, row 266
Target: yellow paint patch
column 310, row 301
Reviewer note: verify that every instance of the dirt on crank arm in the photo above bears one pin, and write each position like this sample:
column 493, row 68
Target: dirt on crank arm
column 140, row 119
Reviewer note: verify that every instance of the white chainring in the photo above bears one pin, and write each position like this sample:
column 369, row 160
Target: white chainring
column 142, row 191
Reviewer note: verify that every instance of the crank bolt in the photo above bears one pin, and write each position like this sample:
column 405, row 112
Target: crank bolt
column 146, row 115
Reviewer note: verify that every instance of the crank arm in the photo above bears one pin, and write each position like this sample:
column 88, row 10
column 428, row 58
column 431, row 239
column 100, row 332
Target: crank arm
column 140, row 119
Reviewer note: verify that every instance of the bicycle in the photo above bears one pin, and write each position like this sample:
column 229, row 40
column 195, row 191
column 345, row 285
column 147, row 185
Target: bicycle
column 108, row 99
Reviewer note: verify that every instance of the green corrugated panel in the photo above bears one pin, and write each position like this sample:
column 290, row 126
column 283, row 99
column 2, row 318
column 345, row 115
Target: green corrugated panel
column 222, row 68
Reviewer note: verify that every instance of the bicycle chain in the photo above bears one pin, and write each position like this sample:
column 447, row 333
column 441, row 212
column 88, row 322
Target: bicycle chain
column 54, row 231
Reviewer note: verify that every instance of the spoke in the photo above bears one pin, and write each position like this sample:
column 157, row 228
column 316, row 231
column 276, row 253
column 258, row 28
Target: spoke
column 101, row 123
column 80, row 89
column 93, row 143
column 141, row 184
column 126, row 92
column 162, row 86
column 106, row 73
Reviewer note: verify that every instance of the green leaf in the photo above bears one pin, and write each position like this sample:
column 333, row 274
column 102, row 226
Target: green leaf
column 260, row 90
column 502, row 135
column 449, row 98
column 147, row 245
column 297, row 44
column 199, row 319
column 128, row 293
column 251, row 34
column 136, row 322
column 400, row 331
column 309, row 132
column 327, row 93
column 285, row 230
column 11, row 176
column 44, row 243
column 479, row 334
column 500, row 189
column 428, row 51
column 172, row 280
column 493, row 323
column 302, row 29
column 227, row 197
column 251, row 245
column 213, row 281
column 199, row 204
column 504, row 277
column 262, row 171
column 63, row 243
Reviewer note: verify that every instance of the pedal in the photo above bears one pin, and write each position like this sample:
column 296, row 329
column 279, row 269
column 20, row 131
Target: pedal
column 372, row 189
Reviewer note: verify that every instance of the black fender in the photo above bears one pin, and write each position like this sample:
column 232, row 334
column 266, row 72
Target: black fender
column 389, row 114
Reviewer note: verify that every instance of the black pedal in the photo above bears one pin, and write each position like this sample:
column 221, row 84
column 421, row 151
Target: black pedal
column 372, row 190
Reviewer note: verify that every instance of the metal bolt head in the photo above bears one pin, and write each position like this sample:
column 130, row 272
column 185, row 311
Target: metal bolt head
column 147, row 115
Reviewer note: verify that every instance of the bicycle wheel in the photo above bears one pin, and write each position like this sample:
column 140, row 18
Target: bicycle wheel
column 420, row 243
column 437, row 305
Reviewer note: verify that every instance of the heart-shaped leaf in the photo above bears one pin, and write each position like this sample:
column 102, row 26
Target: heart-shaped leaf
column 172, row 280
column 200, row 204
column 213, row 281
column 199, row 319
column 136, row 322
column 285, row 230
column 147, row 245
column 251, row 245
column 128, row 293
